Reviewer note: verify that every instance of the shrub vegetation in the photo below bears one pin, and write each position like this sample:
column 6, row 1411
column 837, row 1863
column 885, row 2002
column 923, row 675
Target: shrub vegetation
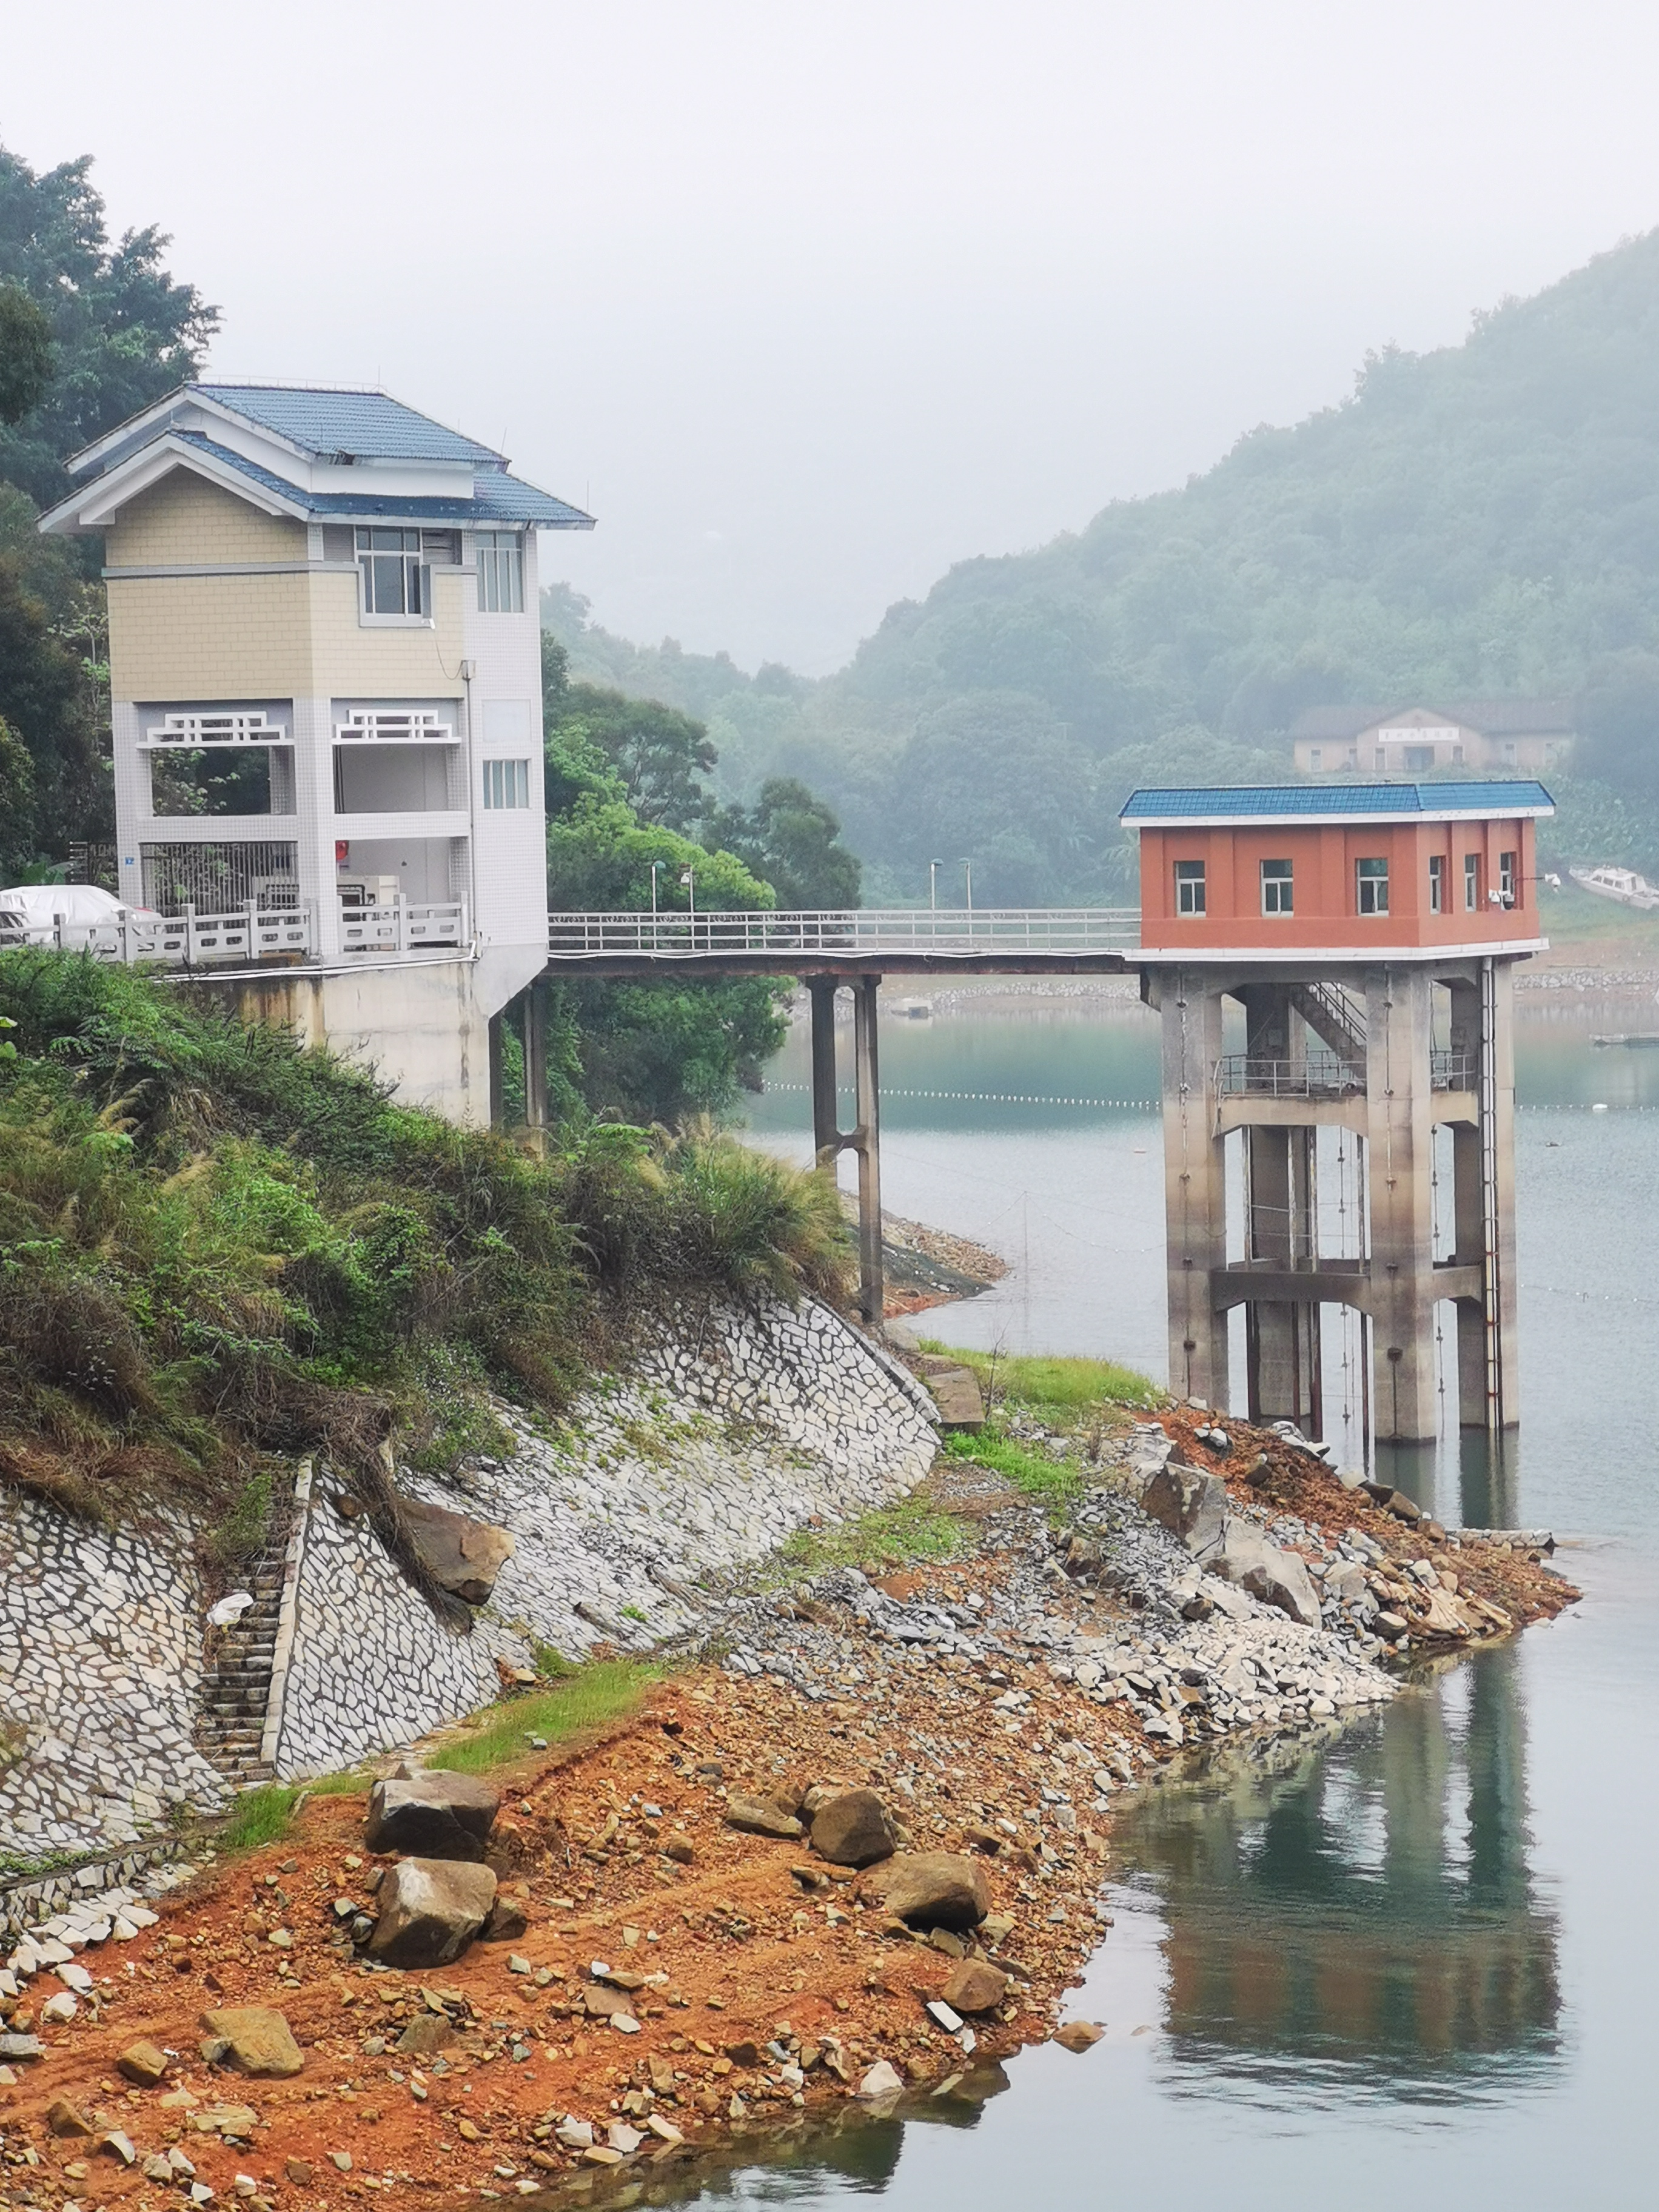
column 216, row 1246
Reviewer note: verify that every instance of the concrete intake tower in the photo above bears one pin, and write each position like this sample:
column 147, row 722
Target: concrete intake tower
column 1333, row 970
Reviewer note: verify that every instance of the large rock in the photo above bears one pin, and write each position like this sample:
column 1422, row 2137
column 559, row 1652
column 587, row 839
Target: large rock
column 1190, row 1503
column 854, row 1828
column 1246, row 1558
column 255, row 2039
column 430, row 1910
column 462, row 1555
column 975, row 1986
column 932, row 1889
column 433, row 1816
column 956, row 1393
column 763, row 1816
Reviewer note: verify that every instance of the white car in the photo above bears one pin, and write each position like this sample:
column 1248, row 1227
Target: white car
column 60, row 914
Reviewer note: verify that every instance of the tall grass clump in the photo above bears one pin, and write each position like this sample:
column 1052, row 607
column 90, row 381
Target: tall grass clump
column 216, row 1246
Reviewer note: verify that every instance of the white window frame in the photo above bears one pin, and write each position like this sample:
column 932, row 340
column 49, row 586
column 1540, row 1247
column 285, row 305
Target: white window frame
column 506, row 786
column 1278, row 889
column 500, row 557
column 1471, row 883
column 1506, row 875
column 416, row 576
column 1436, row 883
column 1190, row 890
column 1367, row 887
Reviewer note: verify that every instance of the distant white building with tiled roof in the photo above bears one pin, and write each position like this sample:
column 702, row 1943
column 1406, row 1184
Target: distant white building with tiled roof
column 1483, row 735
column 326, row 676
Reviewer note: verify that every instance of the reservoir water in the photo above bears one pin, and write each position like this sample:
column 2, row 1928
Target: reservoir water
column 1417, row 1966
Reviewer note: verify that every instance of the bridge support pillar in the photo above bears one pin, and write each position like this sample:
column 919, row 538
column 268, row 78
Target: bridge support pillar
column 535, row 1056
column 829, row 1140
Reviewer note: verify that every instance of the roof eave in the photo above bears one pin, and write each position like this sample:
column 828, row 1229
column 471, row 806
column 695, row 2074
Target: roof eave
column 93, row 506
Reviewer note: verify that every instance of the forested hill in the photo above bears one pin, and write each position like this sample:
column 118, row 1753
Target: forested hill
column 1480, row 520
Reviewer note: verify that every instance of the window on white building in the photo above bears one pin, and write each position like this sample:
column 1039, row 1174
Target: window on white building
column 506, row 783
column 500, row 572
column 394, row 575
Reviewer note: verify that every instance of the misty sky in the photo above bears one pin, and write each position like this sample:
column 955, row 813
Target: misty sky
column 809, row 301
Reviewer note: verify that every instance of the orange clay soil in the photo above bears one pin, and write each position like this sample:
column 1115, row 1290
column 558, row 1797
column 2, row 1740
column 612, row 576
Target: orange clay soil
column 752, row 1954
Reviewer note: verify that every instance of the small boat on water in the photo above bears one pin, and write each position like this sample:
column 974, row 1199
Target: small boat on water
column 1623, row 884
column 1641, row 1040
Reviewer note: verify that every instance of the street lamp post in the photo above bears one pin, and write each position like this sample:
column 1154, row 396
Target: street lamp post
column 932, row 886
column 968, row 867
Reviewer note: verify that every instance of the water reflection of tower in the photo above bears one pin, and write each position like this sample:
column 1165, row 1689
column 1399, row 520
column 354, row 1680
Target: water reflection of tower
column 1368, row 1907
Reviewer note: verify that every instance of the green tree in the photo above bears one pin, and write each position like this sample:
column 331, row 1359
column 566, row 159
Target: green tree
column 659, row 1051
column 791, row 840
column 25, row 355
column 124, row 330
column 657, row 755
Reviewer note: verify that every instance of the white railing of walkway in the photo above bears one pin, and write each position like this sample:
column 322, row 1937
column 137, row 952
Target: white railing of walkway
column 250, row 934
column 200, row 940
column 945, row 933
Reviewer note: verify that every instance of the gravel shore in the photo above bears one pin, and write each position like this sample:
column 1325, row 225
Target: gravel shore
column 999, row 1703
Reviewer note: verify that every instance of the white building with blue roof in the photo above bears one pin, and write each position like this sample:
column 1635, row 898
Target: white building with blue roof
column 326, row 677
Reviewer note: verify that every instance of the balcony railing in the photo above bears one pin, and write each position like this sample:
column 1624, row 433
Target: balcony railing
column 1319, row 1075
column 250, row 934
column 1453, row 1071
column 200, row 940
column 402, row 926
column 946, row 933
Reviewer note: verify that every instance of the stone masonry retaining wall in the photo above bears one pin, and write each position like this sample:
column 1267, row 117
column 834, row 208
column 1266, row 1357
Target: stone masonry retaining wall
column 732, row 1432
column 101, row 1652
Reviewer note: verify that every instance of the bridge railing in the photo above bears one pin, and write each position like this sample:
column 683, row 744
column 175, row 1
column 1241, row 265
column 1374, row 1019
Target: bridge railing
column 945, row 932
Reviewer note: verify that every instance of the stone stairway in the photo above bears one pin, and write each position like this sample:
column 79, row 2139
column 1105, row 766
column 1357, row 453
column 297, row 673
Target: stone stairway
column 236, row 1682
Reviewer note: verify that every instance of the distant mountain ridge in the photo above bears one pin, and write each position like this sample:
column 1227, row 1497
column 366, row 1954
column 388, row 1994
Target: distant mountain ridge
column 1481, row 522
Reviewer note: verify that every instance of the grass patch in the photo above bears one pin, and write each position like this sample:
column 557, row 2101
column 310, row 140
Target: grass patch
column 892, row 1536
column 260, row 1817
column 1054, row 1482
column 339, row 1785
column 1056, row 1386
column 608, row 1690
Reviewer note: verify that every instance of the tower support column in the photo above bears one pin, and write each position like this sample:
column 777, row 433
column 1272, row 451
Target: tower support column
column 1483, row 1029
column 1400, row 1146
column 1282, row 1337
column 1195, row 1185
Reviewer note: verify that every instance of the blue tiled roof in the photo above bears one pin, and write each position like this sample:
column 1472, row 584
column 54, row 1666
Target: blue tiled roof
column 365, row 423
column 1334, row 802
column 496, row 496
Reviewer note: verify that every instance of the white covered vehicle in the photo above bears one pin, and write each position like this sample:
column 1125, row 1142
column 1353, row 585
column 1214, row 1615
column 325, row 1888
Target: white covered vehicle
column 60, row 914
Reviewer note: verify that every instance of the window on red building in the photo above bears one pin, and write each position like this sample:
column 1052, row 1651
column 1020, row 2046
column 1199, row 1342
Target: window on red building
column 1371, row 886
column 1189, row 887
